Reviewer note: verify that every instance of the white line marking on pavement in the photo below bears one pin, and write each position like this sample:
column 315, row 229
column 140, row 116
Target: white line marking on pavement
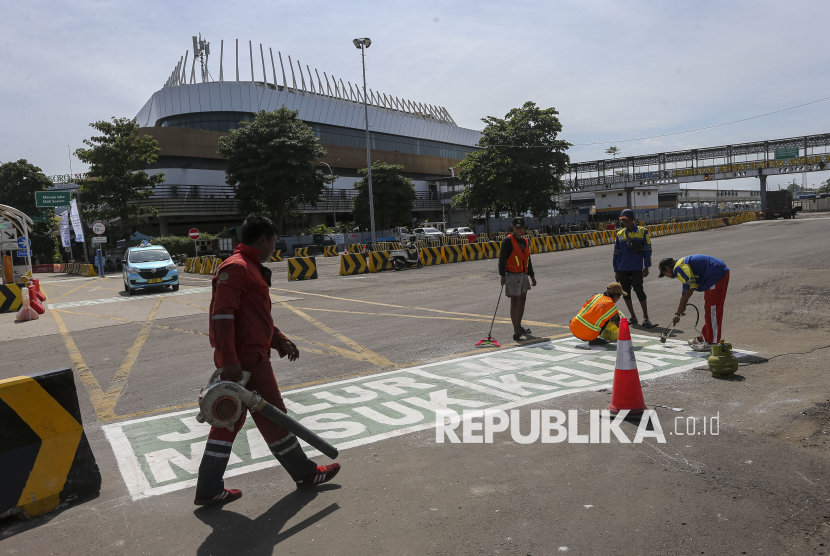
column 87, row 302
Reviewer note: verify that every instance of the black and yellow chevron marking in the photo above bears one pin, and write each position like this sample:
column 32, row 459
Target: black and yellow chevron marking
column 352, row 263
column 431, row 256
column 474, row 252
column 302, row 268
column 276, row 257
column 301, row 251
column 330, row 251
column 379, row 261
column 355, row 248
column 537, row 245
column 10, row 298
column 453, row 253
column 44, row 453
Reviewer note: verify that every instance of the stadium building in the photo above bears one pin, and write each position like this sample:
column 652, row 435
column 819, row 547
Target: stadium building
column 204, row 98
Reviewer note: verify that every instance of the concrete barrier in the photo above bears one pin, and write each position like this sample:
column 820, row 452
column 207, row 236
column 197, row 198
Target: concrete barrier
column 301, row 252
column 538, row 245
column 302, row 268
column 330, row 251
column 11, row 297
column 379, row 261
column 352, row 263
column 431, row 256
column 44, row 453
column 453, row 253
column 277, row 256
column 475, row 252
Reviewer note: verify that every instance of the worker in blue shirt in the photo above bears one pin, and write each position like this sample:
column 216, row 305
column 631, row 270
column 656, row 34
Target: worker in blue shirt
column 632, row 259
column 706, row 274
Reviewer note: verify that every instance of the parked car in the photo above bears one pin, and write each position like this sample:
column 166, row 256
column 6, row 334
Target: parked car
column 428, row 233
column 149, row 267
column 460, row 232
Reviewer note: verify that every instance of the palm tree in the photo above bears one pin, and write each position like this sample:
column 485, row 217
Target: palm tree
column 613, row 151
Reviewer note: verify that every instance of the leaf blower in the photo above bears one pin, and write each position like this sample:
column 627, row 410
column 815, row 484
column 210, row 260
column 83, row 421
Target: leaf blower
column 222, row 402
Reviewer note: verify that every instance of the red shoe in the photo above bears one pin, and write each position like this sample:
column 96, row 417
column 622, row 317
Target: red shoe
column 324, row 474
column 227, row 495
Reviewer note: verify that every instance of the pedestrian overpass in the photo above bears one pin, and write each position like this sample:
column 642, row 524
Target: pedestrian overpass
column 758, row 159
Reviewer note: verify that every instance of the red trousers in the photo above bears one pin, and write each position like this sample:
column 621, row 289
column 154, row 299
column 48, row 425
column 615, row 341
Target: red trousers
column 714, row 298
column 265, row 383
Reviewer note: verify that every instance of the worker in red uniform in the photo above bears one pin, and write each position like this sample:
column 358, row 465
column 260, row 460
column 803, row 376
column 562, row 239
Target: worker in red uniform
column 243, row 333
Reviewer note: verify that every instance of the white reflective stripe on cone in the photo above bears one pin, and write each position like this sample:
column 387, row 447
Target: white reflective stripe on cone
column 625, row 356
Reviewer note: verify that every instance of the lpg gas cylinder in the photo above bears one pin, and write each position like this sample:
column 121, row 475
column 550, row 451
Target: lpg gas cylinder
column 722, row 362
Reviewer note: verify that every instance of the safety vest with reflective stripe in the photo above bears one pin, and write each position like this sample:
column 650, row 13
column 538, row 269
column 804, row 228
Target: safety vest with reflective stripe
column 518, row 260
column 597, row 311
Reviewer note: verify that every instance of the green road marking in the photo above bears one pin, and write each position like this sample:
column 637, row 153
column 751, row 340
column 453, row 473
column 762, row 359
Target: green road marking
column 161, row 454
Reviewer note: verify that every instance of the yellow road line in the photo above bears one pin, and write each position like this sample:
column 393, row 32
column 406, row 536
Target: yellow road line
column 79, row 287
column 180, row 330
column 368, row 355
column 530, row 322
column 186, row 303
column 91, row 315
column 500, row 320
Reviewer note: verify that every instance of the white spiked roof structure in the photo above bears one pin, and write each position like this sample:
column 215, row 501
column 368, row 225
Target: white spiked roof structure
column 334, row 88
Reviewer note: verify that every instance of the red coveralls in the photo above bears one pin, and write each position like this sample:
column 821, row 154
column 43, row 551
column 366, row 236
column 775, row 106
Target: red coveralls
column 242, row 332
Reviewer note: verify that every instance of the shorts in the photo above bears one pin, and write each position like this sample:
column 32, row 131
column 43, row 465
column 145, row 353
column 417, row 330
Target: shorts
column 632, row 280
column 517, row 284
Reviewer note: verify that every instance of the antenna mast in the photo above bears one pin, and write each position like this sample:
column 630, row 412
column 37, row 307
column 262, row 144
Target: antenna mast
column 201, row 50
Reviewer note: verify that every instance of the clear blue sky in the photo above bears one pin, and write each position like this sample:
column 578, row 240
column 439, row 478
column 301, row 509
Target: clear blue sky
column 614, row 70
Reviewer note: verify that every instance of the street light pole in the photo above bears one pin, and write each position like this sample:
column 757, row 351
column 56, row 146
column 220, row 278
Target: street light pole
column 363, row 44
column 333, row 210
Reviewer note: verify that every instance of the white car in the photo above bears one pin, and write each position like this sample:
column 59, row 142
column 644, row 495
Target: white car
column 460, row 232
column 428, row 233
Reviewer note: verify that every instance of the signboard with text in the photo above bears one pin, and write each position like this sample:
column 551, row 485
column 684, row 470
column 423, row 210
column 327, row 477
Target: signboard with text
column 783, row 154
column 49, row 199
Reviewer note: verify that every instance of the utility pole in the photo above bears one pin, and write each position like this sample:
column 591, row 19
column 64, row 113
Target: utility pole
column 363, row 44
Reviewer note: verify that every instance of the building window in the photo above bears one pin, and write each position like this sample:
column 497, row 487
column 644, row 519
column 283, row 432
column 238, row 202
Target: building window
column 210, row 121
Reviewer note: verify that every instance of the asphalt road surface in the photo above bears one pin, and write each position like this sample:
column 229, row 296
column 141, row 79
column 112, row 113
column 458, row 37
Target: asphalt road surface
column 379, row 351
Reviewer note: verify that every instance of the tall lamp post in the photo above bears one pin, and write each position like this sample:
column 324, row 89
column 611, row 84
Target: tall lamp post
column 334, row 210
column 363, row 44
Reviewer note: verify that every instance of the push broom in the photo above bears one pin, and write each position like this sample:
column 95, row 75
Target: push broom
column 489, row 341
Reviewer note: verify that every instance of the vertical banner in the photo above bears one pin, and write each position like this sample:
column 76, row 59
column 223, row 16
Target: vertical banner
column 65, row 229
column 75, row 216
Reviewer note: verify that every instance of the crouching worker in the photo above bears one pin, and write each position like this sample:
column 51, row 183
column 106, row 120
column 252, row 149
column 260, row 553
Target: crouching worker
column 598, row 321
column 243, row 334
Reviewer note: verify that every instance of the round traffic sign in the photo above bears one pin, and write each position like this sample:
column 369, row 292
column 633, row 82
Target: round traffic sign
column 194, row 234
column 98, row 227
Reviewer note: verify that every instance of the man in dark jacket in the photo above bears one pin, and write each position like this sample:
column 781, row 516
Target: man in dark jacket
column 242, row 333
column 516, row 274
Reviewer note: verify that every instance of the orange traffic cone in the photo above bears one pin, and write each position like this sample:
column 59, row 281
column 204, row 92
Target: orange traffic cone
column 626, row 392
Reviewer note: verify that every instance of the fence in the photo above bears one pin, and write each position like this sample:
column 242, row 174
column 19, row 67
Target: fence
column 817, row 205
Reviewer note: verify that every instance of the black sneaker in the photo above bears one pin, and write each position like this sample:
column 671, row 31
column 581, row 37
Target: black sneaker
column 633, row 320
column 526, row 330
column 517, row 336
column 227, row 495
column 598, row 342
column 648, row 324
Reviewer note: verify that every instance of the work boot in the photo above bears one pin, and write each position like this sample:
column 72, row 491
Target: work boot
column 517, row 336
column 210, row 484
column 324, row 474
column 291, row 456
column 598, row 342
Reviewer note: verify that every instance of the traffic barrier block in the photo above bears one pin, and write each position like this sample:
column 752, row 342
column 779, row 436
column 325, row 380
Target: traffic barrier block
column 431, row 256
column 301, row 251
column 475, row 252
column 352, row 263
column 197, row 266
column 44, row 452
column 10, row 297
column 40, row 295
column 207, row 265
column 491, row 249
column 537, row 245
column 187, row 264
column 277, row 256
column 302, row 268
column 453, row 253
column 379, row 261
column 356, row 248
column 34, row 303
column 330, row 251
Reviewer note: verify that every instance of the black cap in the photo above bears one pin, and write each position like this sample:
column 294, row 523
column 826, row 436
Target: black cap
column 668, row 262
column 520, row 222
column 627, row 213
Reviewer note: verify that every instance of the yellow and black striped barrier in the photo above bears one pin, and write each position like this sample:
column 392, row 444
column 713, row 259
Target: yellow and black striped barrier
column 352, row 263
column 431, row 256
column 330, row 251
column 379, row 261
column 302, row 268
column 538, row 245
column 355, row 248
column 453, row 253
column 475, row 252
column 301, row 252
column 44, row 452
column 277, row 256
column 11, row 297
column 208, row 265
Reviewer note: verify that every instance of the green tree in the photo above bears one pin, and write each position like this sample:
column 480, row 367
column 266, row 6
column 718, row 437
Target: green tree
column 518, row 165
column 116, row 184
column 613, row 151
column 271, row 164
column 18, row 183
column 825, row 187
column 393, row 194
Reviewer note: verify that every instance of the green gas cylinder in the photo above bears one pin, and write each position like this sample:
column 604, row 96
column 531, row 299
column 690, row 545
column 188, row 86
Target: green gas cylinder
column 722, row 362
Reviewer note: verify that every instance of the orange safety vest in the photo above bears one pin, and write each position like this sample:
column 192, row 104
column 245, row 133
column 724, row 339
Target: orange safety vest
column 597, row 311
column 518, row 260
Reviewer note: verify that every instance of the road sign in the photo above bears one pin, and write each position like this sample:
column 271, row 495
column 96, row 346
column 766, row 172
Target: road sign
column 5, row 223
column 23, row 254
column 9, row 236
column 782, row 154
column 99, row 239
column 193, row 233
column 45, row 199
column 21, row 243
column 98, row 227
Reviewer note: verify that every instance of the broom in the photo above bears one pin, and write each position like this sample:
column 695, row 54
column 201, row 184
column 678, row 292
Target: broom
column 489, row 341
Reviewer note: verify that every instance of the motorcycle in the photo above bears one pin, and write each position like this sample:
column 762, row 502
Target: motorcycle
column 408, row 257
column 109, row 266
